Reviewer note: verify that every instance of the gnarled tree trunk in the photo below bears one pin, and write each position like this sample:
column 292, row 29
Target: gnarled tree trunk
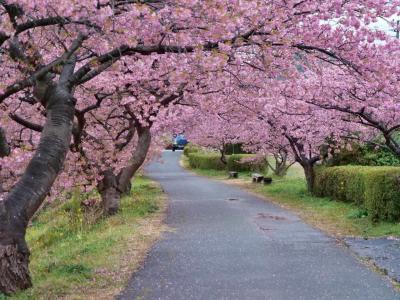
column 110, row 195
column 281, row 163
column 137, row 159
column 4, row 148
column 306, row 160
column 31, row 190
column 112, row 187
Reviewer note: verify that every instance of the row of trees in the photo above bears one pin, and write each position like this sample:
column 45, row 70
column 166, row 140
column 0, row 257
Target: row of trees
column 310, row 108
column 89, row 88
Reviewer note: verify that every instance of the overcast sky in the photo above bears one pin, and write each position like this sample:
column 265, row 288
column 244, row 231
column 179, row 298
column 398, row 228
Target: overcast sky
column 382, row 24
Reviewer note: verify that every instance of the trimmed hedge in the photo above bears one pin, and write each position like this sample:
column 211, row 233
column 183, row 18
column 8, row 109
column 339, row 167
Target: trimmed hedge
column 246, row 163
column 190, row 148
column 198, row 160
column 375, row 188
column 202, row 160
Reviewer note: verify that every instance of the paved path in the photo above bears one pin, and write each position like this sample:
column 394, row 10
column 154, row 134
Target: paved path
column 228, row 244
column 384, row 252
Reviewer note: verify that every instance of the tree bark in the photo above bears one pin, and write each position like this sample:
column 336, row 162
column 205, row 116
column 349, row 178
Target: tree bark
column 4, row 148
column 110, row 195
column 137, row 159
column 4, row 151
column 223, row 156
column 31, row 190
column 309, row 172
column 281, row 163
column 112, row 187
column 281, row 169
column 306, row 161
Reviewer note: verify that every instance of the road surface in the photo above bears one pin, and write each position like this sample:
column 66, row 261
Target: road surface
column 229, row 244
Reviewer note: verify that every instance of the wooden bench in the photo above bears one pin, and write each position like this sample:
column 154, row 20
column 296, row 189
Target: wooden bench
column 257, row 177
column 267, row 180
column 233, row 174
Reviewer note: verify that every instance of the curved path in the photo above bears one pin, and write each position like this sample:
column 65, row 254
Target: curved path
column 229, row 244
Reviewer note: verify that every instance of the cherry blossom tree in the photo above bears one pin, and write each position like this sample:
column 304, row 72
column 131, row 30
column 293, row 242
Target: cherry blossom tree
column 369, row 101
column 213, row 130
column 59, row 58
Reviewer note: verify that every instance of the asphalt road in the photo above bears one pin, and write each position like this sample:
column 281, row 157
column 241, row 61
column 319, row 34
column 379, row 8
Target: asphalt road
column 229, row 244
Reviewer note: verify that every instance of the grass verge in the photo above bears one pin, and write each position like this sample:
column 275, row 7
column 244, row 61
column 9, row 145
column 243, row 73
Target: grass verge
column 73, row 258
column 336, row 218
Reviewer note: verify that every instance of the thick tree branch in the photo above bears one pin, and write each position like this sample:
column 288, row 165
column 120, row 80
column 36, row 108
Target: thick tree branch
column 23, row 122
column 58, row 20
column 31, row 80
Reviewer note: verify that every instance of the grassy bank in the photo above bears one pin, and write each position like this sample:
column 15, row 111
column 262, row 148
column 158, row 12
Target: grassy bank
column 336, row 218
column 77, row 257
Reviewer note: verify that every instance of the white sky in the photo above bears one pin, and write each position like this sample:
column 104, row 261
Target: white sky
column 384, row 25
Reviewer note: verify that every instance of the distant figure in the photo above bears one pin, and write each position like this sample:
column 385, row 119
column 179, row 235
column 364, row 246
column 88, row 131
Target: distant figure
column 179, row 142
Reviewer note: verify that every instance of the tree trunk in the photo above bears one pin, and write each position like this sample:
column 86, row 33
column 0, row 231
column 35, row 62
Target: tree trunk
column 110, row 195
column 281, row 169
column 4, row 148
column 280, row 165
column 4, row 151
column 223, row 157
column 112, row 187
column 137, row 159
column 31, row 190
column 310, row 175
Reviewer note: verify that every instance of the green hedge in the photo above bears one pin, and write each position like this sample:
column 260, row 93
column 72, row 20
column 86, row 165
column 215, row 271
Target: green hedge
column 241, row 163
column 211, row 161
column 190, row 148
column 202, row 160
column 375, row 188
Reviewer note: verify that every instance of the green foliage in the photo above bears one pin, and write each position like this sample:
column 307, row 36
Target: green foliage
column 358, row 214
column 236, row 162
column 202, row 160
column 364, row 155
column 375, row 188
column 191, row 148
column 246, row 163
column 382, row 194
column 380, row 158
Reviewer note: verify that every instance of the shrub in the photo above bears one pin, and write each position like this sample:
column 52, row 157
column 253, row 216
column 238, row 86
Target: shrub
column 377, row 189
column 364, row 155
column 237, row 162
column 381, row 157
column 211, row 161
column 190, row 148
column 246, row 163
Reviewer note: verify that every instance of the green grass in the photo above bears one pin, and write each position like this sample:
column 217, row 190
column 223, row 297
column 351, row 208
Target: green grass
column 334, row 217
column 75, row 251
